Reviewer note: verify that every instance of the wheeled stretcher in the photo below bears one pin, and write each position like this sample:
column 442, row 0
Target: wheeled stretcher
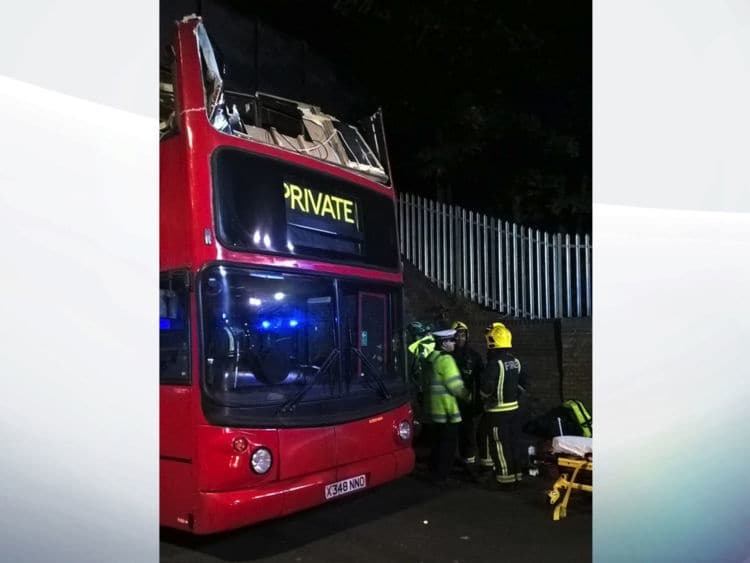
column 570, row 452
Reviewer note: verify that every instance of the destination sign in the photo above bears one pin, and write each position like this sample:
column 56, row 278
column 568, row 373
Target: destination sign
column 266, row 205
column 326, row 206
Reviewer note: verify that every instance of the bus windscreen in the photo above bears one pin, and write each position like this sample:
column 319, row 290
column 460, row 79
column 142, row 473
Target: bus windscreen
column 266, row 205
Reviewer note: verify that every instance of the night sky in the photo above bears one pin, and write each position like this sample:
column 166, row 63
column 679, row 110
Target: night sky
column 486, row 104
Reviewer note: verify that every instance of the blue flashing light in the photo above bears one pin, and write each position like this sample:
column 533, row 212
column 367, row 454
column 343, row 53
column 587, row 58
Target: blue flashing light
column 265, row 324
column 293, row 322
column 165, row 324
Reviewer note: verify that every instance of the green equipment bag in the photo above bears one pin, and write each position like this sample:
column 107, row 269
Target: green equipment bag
column 581, row 415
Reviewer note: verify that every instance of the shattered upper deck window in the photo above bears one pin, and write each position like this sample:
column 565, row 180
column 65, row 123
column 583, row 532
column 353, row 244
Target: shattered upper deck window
column 288, row 124
column 212, row 83
column 167, row 115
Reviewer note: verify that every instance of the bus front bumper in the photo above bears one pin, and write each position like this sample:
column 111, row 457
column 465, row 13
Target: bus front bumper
column 222, row 511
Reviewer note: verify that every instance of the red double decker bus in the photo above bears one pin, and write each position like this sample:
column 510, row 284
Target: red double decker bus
column 282, row 361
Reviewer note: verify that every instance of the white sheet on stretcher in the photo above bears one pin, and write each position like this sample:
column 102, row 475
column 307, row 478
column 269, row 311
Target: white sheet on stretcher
column 572, row 445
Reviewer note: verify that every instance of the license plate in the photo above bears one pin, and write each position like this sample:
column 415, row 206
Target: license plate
column 346, row 486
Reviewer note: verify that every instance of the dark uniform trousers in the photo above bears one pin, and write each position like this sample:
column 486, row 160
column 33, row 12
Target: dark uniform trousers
column 500, row 445
column 470, row 364
column 445, row 438
column 467, row 433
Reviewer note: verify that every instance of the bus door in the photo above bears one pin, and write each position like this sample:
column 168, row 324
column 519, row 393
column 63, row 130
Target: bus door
column 373, row 320
column 175, row 396
column 174, row 365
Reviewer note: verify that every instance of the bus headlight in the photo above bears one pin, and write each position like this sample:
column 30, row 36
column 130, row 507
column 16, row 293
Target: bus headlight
column 404, row 430
column 261, row 461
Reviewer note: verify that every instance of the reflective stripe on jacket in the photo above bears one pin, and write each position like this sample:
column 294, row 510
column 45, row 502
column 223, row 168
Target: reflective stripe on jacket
column 445, row 386
column 501, row 382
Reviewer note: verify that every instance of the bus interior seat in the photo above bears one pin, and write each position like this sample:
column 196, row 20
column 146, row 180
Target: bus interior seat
column 318, row 150
column 285, row 141
column 259, row 134
column 327, row 137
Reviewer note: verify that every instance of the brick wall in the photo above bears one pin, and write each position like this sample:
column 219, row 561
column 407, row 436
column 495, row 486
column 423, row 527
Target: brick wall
column 576, row 360
column 534, row 344
column 555, row 354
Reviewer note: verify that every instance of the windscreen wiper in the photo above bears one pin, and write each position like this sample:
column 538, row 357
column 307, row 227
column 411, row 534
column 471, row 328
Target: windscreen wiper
column 325, row 367
column 374, row 373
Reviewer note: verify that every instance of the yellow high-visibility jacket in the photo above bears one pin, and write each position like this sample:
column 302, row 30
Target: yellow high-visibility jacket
column 446, row 386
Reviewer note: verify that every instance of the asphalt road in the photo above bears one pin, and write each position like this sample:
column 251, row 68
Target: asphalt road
column 410, row 521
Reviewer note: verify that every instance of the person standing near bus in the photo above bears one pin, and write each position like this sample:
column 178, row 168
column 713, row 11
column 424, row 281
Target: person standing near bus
column 470, row 364
column 501, row 384
column 446, row 388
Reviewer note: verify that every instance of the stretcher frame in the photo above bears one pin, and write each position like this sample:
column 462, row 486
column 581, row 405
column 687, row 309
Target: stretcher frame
column 566, row 484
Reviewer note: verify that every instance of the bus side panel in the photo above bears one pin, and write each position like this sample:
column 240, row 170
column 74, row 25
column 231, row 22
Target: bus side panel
column 175, row 428
column 176, row 495
column 174, row 212
column 176, row 480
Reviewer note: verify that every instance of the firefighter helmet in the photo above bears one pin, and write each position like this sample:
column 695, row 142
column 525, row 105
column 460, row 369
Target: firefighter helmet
column 458, row 325
column 498, row 336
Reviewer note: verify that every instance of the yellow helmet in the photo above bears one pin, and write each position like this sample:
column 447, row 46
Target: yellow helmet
column 498, row 336
column 458, row 325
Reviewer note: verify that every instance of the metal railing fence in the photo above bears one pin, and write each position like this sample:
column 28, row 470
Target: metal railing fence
column 518, row 271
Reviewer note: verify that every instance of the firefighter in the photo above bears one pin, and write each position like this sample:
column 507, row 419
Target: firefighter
column 501, row 384
column 470, row 364
column 446, row 386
